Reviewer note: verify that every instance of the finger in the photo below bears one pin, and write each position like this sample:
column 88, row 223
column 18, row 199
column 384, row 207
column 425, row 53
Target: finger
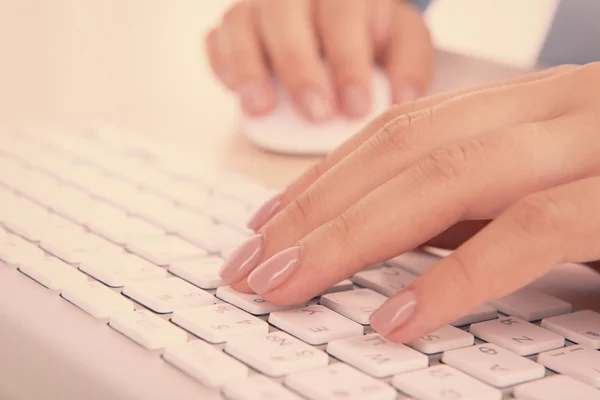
column 245, row 60
column 381, row 14
column 344, row 32
column 216, row 58
column 319, row 169
column 551, row 227
column 288, row 31
column 457, row 234
column 461, row 181
column 409, row 59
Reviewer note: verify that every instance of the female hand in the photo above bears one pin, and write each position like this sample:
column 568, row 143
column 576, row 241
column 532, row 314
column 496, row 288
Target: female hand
column 291, row 37
column 521, row 153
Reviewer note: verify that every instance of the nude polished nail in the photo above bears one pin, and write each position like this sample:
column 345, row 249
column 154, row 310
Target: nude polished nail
column 275, row 271
column 394, row 313
column 265, row 213
column 243, row 260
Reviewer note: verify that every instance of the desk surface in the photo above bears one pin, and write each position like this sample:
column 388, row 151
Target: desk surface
column 140, row 64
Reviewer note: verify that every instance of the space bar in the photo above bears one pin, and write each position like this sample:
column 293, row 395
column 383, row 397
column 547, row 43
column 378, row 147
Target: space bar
column 87, row 358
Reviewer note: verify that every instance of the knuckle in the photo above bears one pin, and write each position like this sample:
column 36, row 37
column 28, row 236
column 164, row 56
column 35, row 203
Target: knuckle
column 301, row 209
column 539, row 215
column 453, row 162
column 465, row 279
column 402, row 132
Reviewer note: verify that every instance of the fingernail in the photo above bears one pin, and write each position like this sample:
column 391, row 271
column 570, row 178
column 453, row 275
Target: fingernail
column 315, row 104
column 355, row 100
column 275, row 271
column 243, row 260
column 394, row 313
column 254, row 97
column 407, row 92
column 265, row 213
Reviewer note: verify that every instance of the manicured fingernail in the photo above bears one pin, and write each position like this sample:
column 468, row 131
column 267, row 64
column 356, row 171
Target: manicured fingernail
column 315, row 104
column 275, row 271
column 407, row 92
column 265, row 213
column 355, row 100
column 243, row 260
column 255, row 97
column 394, row 313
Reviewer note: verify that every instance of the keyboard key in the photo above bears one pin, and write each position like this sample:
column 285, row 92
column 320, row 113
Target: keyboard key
column 96, row 299
column 148, row 329
column 531, row 305
column 258, row 387
column 376, row 355
column 446, row 338
column 213, row 239
column 579, row 362
column 70, row 203
column 315, row 324
column 339, row 381
column 167, row 295
column 442, row 382
column 252, row 303
column 164, row 250
column 342, row 286
column 122, row 229
column 15, row 250
column 207, row 364
column 202, row 272
column 218, row 323
column 556, row 387
column 52, row 272
column 75, row 248
column 517, row 335
column 482, row 312
column 414, row 261
column 37, row 226
column 494, row 365
column 358, row 305
column 276, row 354
column 120, row 269
column 581, row 327
column 385, row 280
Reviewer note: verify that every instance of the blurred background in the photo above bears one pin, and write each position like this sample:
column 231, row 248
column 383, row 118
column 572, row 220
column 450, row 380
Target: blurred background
column 140, row 63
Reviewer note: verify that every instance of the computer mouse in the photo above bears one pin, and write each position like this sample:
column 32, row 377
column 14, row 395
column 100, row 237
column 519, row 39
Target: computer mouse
column 284, row 130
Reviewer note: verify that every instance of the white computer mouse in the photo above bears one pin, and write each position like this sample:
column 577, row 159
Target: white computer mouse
column 283, row 130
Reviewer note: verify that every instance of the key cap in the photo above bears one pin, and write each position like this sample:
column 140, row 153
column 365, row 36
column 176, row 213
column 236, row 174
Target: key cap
column 148, row 330
column 39, row 226
column 413, row 261
column 167, row 295
column 579, row 362
column 531, row 305
column 164, row 250
column 207, row 364
column 342, row 286
column 51, row 272
column 385, row 280
column 315, row 324
column 376, row 355
column 202, row 272
column 96, row 299
column 214, row 239
column 76, row 248
column 252, row 303
column 120, row 269
column 119, row 228
column 218, row 323
column 257, row 387
column 16, row 251
column 70, row 203
column 276, row 354
column 494, row 365
column 556, row 387
column 581, row 327
column 442, row 382
column 446, row 338
column 339, row 381
column 358, row 305
column 482, row 312
column 517, row 335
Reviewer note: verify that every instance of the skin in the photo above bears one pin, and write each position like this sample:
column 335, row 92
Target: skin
column 508, row 173
column 290, row 39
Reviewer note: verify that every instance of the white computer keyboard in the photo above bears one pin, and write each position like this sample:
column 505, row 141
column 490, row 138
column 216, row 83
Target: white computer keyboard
column 101, row 220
